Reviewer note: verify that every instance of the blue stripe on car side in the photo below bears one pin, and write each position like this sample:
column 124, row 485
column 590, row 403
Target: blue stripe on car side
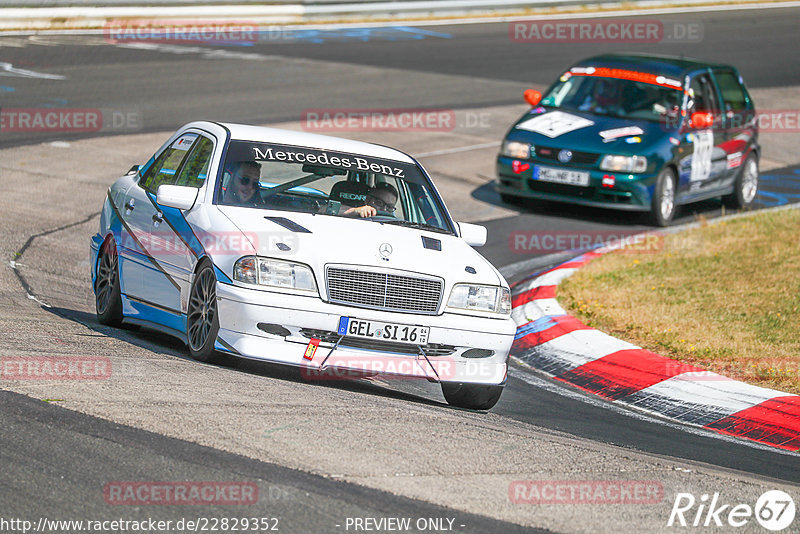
column 180, row 226
column 138, row 309
column 175, row 219
column 141, row 247
column 221, row 276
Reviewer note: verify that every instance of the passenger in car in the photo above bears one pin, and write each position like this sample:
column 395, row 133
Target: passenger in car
column 605, row 97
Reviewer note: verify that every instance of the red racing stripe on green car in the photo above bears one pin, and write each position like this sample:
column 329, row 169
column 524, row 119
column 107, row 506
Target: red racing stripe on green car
column 775, row 421
column 624, row 372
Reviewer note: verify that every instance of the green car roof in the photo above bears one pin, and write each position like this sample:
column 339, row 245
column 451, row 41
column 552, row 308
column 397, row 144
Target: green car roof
column 650, row 63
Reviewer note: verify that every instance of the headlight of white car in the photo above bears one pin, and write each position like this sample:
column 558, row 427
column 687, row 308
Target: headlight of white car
column 274, row 273
column 624, row 163
column 492, row 299
column 515, row 149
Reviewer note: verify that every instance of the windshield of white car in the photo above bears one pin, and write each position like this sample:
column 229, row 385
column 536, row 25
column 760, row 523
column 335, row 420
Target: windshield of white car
column 328, row 183
column 421, row 226
column 615, row 97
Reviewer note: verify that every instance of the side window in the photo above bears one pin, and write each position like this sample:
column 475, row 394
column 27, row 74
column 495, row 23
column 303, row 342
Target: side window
column 703, row 95
column 195, row 169
column 732, row 92
column 423, row 203
column 166, row 165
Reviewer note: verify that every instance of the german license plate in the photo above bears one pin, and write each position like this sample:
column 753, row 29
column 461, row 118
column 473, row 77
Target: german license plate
column 378, row 330
column 560, row 176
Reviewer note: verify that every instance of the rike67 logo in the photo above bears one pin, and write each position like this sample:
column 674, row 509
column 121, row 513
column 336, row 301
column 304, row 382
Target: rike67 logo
column 774, row 510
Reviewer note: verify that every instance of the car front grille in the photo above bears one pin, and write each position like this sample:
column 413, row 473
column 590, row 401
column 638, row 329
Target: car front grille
column 326, row 336
column 384, row 291
column 579, row 158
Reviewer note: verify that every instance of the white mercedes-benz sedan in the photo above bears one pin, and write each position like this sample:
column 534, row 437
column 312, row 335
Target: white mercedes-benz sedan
column 333, row 255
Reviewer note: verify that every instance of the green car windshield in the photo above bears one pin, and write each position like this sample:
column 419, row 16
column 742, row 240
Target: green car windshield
column 615, row 97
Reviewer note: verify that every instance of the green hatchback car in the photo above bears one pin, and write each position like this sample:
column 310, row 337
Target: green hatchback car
column 638, row 133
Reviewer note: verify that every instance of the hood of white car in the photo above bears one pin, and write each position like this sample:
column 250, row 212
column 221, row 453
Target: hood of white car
column 321, row 240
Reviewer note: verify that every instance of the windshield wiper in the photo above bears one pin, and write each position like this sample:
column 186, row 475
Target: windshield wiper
column 410, row 224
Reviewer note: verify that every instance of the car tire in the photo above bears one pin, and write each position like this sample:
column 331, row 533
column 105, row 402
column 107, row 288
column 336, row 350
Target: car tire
column 745, row 186
column 510, row 199
column 663, row 207
column 202, row 318
column 471, row 396
column 108, row 296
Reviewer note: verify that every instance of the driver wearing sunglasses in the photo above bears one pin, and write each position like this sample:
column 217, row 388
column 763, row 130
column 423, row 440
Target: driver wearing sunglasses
column 242, row 190
column 381, row 199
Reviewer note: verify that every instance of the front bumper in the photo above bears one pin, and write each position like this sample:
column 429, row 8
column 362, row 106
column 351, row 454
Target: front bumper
column 241, row 310
column 631, row 192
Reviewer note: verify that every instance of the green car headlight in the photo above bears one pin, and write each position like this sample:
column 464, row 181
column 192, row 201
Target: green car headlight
column 492, row 299
column 624, row 163
column 515, row 149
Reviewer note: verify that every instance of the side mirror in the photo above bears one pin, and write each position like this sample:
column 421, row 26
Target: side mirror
column 473, row 234
column 533, row 97
column 176, row 196
column 701, row 119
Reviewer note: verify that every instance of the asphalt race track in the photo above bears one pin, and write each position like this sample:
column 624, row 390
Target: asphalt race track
column 321, row 453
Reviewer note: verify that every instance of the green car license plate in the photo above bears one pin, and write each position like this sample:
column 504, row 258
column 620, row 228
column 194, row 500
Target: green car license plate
column 561, row 176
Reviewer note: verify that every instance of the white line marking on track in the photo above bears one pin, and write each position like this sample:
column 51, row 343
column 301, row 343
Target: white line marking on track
column 206, row 53
column 13, row 264
column 11, row 70
column 458, row 149
column 31, row 297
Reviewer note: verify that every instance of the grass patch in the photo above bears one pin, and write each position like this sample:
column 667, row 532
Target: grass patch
column 724, row 297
